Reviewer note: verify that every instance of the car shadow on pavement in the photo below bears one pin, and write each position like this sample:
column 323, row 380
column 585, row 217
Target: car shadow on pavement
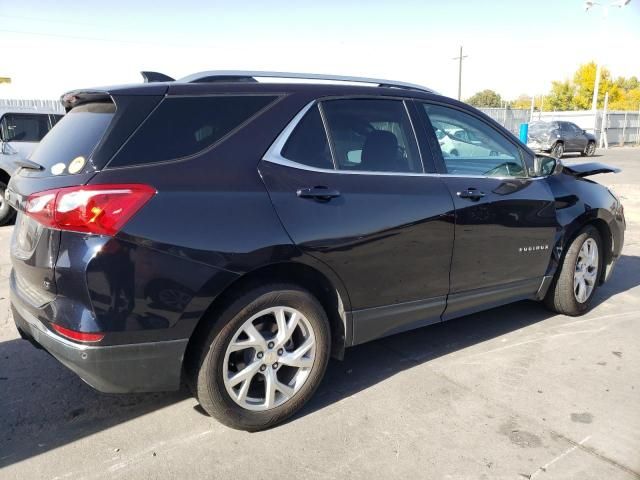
column 44, row 406
column 373, row 362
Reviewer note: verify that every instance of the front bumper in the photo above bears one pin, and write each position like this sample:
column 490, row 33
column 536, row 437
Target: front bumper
column 142, row 367
column 539, row 146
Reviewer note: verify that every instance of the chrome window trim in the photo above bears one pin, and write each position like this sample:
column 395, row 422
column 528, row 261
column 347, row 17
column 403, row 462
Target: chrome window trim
column 415, row 135
column 274, row 155
column 327, row 134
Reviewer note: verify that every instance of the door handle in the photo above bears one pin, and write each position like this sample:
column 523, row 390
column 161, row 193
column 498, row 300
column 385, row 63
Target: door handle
column 472, row 194
column 322, row 194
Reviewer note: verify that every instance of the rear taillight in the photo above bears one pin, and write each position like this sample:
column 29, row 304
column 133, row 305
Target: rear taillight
column 78, row 336
column 98, row 209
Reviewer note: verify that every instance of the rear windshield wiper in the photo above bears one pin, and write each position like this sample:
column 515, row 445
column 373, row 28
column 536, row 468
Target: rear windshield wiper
column 24, row 163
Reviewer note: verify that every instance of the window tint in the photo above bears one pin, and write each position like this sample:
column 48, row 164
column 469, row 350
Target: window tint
column 183, row 126
column 372, row 135
column 574, row 128
column 21, row 127
column 55, row 119
column 308, row 143
column 76, row 134
column 471, row 147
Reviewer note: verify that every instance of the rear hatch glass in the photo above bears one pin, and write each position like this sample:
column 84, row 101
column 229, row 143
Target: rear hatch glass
column 63, row 154
column 67, row 147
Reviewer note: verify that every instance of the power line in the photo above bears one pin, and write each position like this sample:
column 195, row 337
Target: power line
column 98, row 39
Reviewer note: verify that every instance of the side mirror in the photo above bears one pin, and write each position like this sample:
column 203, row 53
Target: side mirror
column 545, row 165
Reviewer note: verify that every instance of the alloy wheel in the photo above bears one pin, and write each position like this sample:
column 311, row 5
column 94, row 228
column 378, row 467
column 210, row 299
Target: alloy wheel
column 269, row 358
column 4, row 206
column 586, row 272
column 558, row 150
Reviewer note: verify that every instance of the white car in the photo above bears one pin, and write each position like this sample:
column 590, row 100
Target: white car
column 457, row 142
column 20, row 132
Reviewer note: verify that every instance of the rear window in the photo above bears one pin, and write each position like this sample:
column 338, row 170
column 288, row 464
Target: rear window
column 183, row 126
column 541, row 126
column 75, row 135
column 24, row 127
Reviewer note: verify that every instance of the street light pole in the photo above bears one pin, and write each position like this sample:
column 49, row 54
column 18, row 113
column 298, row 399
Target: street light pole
column 603, row 36
column 459, row 58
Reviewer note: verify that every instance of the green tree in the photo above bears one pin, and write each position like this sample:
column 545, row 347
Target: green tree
column 485, row 98
column 561, row 96
column 522, row 102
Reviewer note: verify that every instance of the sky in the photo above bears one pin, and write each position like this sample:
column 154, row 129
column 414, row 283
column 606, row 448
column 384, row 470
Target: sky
column 513, row 47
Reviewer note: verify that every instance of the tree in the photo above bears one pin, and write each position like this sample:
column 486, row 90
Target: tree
column 522, row 102
column 561, row 96
column 584, row 80
column 629, row 98
column 485, row 98
column 577, row 93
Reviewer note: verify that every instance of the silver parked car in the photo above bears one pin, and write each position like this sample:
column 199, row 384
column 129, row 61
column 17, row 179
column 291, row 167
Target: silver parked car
column 20, row 133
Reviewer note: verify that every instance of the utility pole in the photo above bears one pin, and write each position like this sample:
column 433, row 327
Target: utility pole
column 601, row 43
column 459, row 58
column 533, row 103
column 638, row 134
column 604, row 141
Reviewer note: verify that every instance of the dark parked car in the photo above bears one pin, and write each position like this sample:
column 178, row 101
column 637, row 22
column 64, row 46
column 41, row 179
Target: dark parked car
column 237, row 234
column 559, row 138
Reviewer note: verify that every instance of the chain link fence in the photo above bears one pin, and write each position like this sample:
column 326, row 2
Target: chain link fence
column 49, row 106
column 622, row 127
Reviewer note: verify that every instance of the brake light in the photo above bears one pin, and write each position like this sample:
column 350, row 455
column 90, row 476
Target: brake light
column 78, row 336
column 98, row 209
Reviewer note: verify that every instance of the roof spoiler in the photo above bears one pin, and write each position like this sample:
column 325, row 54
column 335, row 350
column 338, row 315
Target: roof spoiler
column 150, row 77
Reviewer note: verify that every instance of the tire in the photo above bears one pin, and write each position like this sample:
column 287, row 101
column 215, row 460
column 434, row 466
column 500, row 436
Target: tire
column 590, row 150
column 563, row 295
column 213, row 361
column 7, row 213
column 558, row 150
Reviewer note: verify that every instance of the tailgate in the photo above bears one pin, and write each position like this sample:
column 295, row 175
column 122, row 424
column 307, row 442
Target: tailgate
column 34, row 248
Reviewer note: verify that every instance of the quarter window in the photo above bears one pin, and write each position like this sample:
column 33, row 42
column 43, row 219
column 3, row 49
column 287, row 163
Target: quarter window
column 183, row 126
column 471, row 147
column 372, row 135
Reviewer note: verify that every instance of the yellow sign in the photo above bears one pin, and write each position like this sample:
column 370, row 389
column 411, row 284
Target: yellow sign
column 5, row 80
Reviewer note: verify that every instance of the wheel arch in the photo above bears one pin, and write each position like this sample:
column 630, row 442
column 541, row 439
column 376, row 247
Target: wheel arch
column 597, row 219
column 332, row 297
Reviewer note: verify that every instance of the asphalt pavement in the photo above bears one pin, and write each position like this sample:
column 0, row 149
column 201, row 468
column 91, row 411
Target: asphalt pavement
column 514, row 392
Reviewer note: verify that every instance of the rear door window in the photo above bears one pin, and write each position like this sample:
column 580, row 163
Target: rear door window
column 24, row 127
column 372, row 135
column 75, row 135
column 183, row 126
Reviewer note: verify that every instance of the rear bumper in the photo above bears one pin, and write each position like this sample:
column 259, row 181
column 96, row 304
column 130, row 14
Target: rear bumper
column 142, row 367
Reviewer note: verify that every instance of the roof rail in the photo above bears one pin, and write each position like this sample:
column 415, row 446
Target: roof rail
column 240, row 75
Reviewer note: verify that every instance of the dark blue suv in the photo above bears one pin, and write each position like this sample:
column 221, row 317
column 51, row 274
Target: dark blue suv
column 236, row 234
